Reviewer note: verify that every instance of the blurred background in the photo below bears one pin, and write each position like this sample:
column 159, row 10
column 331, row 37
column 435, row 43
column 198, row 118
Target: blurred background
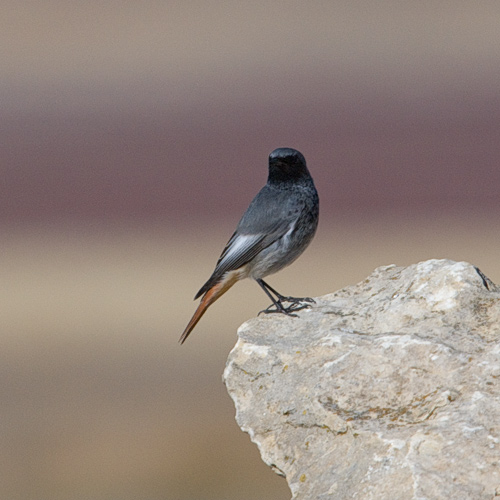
column 134, row 135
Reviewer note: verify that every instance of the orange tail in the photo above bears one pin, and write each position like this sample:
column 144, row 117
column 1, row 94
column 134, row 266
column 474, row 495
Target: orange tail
column 209, row 298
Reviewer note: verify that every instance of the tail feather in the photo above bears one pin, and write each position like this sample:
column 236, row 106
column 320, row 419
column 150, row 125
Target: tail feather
column 209, row 298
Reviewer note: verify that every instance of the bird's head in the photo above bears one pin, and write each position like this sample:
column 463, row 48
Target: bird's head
column 287, row 165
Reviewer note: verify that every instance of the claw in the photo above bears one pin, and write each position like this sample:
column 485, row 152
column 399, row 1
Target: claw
column 289, row 311
column 297, row 299
column 283, row 311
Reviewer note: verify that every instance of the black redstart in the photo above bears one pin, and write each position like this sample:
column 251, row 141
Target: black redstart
column 276, row 228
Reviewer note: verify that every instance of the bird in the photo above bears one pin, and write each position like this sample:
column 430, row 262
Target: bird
column 276, row 228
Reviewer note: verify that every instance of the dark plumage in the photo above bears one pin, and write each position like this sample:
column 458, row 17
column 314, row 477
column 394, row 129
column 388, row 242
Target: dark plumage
column 275, row 229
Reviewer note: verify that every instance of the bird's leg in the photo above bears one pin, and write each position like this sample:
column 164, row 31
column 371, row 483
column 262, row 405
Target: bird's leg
column 282, row 298
column 275, row 303
column 296, row 303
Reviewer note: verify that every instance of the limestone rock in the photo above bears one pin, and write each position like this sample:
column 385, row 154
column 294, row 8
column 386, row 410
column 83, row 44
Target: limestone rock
column 389, row 389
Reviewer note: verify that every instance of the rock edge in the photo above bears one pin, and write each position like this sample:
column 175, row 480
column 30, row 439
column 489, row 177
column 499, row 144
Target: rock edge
column 388, row 389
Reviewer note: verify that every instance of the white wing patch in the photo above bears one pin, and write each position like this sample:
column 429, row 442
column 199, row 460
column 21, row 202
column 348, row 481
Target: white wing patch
column 286, row 236
column 238, row 247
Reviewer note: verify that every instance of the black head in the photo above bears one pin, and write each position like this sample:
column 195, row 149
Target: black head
column 287, row 165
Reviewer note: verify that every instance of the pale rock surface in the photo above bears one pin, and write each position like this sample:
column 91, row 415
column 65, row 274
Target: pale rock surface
column 389, row 389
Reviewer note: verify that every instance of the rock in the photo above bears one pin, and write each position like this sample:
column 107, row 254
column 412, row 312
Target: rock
column 389, row 389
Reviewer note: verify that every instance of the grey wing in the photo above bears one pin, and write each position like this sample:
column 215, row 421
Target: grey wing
column 267, row 219
column 240, row 249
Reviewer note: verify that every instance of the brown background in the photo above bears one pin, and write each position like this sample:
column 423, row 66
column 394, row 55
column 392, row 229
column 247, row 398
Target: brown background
column 133, row 137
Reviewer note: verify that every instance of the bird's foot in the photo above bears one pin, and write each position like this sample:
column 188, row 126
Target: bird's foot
column 296, row 305
column 296, row 300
